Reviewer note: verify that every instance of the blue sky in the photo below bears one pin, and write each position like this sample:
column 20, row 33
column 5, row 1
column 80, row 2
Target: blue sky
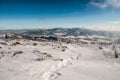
column 23, row 14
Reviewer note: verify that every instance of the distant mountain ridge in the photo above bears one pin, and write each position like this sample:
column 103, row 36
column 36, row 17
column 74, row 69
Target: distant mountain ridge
column 64, row 31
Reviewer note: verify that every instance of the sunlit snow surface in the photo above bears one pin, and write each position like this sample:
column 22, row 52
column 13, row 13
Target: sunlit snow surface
column 46, row 61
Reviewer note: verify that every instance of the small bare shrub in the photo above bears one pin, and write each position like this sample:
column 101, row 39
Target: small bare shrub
column 100, row 48
column 3, row 55
column 17, row 52
column 39, row 59
column 48, row 55
column 58, row 59
column 9, row 52
column 2, row 52
column 9, row 48
column 16, row 43
column 45, row 53
column 34, row 44
column 63, row 49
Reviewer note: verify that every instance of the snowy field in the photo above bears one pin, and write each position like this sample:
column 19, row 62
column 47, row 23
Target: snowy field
column 34, row 60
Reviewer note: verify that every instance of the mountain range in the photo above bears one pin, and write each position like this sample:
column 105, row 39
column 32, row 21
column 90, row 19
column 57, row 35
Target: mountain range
column 64, row 31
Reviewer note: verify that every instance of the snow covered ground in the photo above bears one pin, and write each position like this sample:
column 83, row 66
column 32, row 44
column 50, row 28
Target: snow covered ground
column 34, row 60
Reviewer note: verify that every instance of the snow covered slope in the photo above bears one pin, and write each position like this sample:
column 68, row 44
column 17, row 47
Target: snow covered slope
column 34, row 60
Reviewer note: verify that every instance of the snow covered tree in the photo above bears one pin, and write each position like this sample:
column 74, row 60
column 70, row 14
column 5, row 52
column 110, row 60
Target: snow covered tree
column 115, row 49
column 59, row 39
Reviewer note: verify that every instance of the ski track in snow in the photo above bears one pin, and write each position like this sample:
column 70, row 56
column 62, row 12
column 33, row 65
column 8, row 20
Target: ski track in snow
column 53, row 73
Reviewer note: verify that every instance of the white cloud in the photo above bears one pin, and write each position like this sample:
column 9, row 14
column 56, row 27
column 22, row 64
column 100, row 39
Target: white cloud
column 105, row 28
column 101, row 5
column 115, row 22
column 106, row 3
column 114, row 3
